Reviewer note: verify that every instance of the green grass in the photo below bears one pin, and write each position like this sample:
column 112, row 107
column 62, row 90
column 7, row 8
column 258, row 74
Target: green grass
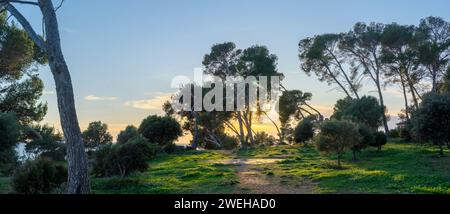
column 398, row 168
column 188, row 172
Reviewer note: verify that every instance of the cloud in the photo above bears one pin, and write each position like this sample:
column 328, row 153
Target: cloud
column 97, row 98
column 393, row 91
column 154, row 103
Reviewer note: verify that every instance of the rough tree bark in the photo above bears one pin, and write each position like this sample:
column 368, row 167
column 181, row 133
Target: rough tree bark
column 78, row 179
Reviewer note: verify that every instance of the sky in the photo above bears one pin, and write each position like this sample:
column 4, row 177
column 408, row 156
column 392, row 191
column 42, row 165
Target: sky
column 123, row 55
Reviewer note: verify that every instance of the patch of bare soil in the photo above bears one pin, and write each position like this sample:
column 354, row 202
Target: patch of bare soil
column 251, row 180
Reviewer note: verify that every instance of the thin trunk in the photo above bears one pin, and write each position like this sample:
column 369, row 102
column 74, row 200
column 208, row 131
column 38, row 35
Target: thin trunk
column 354, row 155
column 405, row 96
column 248, row 125
column 276, row 126
column 337, row 81
column 318, row 112
column 241, row 129
column 195, row 137
column 345, row 74
column 339, row 160
column 412, row 90
column 78, row 178
column 380, row 95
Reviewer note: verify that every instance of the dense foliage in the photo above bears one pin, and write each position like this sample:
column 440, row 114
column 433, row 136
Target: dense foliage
column 337, row 137
column 431, row 120
column 39, row 176
column 124, row 159
column 96, row 135
column 127, row 134
column 161, row 130
column 9, row 136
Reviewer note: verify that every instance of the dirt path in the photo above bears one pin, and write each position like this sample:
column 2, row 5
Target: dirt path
column 252, row 180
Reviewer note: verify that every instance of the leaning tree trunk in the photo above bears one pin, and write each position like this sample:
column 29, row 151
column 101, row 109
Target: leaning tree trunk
column 380, row 95
column 78, row 179
column 405, row 97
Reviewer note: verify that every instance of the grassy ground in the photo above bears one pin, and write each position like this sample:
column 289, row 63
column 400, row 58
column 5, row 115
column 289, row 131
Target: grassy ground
column 189, row 172
column 399, row 168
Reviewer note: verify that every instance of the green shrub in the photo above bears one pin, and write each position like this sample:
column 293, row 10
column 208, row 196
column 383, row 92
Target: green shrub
column 230, row 142
column 431, row 120
column 367, row 138
column 304, row 131
column 39, row 176
column 127, row 134
column 262, row 138
column 9, row 136
column 405, row 134
column 124, row 159
column 380, row 140
column 161, row 130
column 394, row 133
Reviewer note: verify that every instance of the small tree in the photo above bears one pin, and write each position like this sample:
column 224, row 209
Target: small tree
column 161, row 130
column 380, row 140
column 304, row 130
column 431, row 120
column 127, row 134
column 96, row 134
column 337, row 137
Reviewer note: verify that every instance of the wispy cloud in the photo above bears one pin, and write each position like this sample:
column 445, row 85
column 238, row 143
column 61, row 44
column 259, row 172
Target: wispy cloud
column 154, row 103
column 99, row 98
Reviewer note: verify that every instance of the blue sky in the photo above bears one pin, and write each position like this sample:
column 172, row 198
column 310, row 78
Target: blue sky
column 124, row 54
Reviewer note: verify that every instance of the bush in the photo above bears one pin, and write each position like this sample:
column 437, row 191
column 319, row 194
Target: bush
column 9, row 136
column 405, row 134
column 431, row 120
column 124, row 159
column 229, row 142
column 394, row 133
column 380, row 140
column 367, row 138
column 39, row 176
column 127, row 134
column 262, row 138
column 161, row 130
column 304, row 131
column 337, row 137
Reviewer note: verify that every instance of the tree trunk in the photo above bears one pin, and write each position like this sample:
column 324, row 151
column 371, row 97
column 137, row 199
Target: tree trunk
column 195, row 137
column 380, row 95
column 412, row 90
column 241, row 129
column 405, row 96
column 339, row 161
column 78, row 178
column 354, row 155
column 248, row 120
